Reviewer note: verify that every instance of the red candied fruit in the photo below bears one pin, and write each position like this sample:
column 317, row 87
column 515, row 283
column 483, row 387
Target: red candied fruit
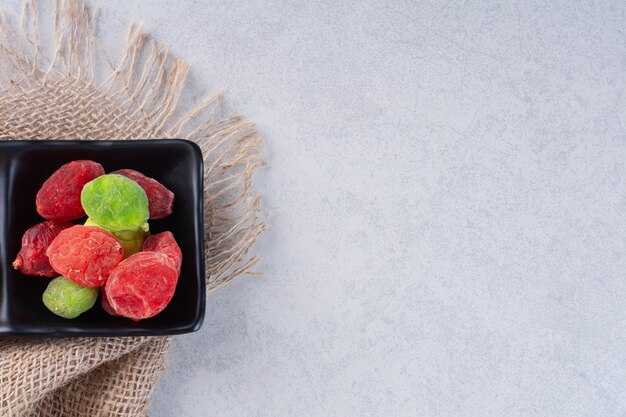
column 104, row 302
column 160, row 199
column 59, row 197
column 165, row 243
column 32, row 259
column 85, row 255
column 142, row 285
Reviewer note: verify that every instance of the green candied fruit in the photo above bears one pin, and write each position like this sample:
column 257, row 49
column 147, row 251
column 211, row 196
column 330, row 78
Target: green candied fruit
column 131, row 240
column 68, row 300
column 115, row 202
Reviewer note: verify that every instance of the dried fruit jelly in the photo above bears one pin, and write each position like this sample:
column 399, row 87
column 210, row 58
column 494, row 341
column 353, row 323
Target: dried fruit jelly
column 160, row 199
column 115, row 202
column 67, row 299
column 32, row 259
column 59, row 197
column 142, row 285
column 131, row 240
column 165, row 243
column 85, row 255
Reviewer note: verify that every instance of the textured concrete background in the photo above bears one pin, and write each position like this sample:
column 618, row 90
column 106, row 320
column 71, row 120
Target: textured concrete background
column 451, row 239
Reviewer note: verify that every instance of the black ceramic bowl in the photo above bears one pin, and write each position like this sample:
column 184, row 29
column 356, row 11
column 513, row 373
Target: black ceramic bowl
column 25, row 165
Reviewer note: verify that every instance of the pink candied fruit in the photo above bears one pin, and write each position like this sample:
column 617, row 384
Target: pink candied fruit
column 165, row 243
column 142, row 285
column 85, row 255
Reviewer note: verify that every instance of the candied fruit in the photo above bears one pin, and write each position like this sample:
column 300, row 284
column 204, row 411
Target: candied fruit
column 131, row 240
column 112, row 254
column 104, row 302
column 165, row 243
column 59, row 197
column 160, row 199
column 32, row 258
column 67, row 299
column 115, row 202
column 85, row 255
column 142, row 285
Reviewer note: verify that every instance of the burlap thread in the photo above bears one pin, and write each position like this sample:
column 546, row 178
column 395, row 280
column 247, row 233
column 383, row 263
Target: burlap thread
column 78, row 92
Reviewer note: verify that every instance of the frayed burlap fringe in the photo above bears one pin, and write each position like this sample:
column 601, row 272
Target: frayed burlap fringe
column 74, row 90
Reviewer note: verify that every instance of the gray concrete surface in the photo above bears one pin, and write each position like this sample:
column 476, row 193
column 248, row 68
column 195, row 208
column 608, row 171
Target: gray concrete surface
column 451, row 238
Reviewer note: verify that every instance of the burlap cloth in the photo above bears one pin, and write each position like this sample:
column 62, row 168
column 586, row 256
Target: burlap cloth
column 74, row 90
